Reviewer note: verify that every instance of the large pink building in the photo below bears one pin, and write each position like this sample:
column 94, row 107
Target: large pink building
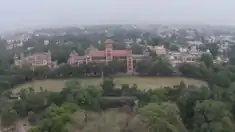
column 103, row 56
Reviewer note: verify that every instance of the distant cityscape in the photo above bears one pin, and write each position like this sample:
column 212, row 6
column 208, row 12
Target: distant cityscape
column 178, row 44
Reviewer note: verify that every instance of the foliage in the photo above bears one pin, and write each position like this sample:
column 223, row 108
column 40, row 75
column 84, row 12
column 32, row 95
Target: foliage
column 137, row 49
column 86, row 97
column 8, row 116
column 222, row 79
column 187, row 101
column 56, row 119
column 32, row 117
column 162, row 109
column 162, row 117
column 108, row 86
column 213, row 47
column 207, row 59
column 213, row 116
column 159, row 67
column 174, row 48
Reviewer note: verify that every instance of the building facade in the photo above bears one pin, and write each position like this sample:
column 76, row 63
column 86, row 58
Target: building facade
column 185, row 56
column 35, row 60
column 160, row 50
column 103, row 56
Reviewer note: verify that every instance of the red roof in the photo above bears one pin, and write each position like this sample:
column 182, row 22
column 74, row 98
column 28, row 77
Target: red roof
column 121, row 52
column 115, row 53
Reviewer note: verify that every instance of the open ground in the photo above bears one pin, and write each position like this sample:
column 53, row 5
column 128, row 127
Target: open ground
column 142, row 82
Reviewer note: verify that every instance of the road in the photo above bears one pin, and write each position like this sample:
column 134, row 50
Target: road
column 20, row 127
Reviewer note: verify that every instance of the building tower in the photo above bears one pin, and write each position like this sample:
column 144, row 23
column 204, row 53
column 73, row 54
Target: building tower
column 108, row 50
column 129, row 63
column 49, row 59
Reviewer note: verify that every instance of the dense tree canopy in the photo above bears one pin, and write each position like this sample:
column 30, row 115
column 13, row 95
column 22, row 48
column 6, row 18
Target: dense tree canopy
column 162, row 118
column 179, row 108
column 213, row 116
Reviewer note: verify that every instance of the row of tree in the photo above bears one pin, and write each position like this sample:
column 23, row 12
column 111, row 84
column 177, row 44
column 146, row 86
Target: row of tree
column 182, row 108
column 214, row 74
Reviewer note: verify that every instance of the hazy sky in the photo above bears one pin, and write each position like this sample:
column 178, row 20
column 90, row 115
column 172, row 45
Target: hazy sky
column 46, row 13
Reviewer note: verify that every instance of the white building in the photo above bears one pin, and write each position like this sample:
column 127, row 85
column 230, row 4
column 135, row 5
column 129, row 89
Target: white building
column 182, row 49
column 195, row 43
column 46, row 42
column 185, row 56
column 160, row 50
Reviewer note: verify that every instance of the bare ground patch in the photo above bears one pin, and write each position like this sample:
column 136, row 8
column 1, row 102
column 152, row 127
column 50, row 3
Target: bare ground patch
column 142, row 82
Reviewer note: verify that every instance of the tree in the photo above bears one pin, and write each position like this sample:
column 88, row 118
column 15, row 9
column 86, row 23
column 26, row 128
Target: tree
column 207, row 59
column 222, row 79
column 32, row 117
column 143, row 67
column 190, row 70
column 8, row 116
column 31, row 100
column 41, row 72
column 231, row 55
column 182, row 84
column 187, row 101
column 160, row 41
column 162, row 117
column 213, row 47
column 87, row 97
column 56, row 119
column 137, row 49
column 174, row 48
column 21, row 107
column 212, row 116
column 156, row 41
column 108, row 85
column 114, row 67
column 163, row 67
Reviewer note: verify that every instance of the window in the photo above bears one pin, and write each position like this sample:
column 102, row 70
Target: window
column 108, row 54
column 44, row 62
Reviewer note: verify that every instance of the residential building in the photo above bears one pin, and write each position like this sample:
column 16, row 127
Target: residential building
column 189, row 56
column 35, row 60
column 14, row 44
column 160, row 50
column 195, row 43
column 75, row 59
column 183, row 49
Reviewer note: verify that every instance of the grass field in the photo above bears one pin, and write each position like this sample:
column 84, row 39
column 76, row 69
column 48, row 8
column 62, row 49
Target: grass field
column 142, row 82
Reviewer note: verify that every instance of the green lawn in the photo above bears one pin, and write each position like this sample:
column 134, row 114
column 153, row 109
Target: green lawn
column 142, row 82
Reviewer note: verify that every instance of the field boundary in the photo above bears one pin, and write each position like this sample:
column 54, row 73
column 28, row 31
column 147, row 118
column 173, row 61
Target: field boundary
column 141, row 82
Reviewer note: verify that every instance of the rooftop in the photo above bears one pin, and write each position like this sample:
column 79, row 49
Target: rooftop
column 101, row 53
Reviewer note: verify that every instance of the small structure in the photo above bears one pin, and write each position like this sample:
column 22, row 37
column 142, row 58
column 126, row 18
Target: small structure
column 120, row 101
column 160, row 50
column 75, row 59
column 14, row 97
